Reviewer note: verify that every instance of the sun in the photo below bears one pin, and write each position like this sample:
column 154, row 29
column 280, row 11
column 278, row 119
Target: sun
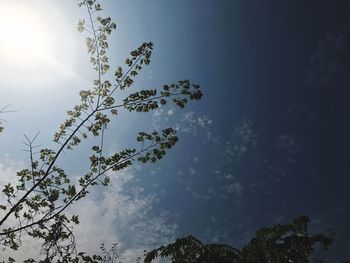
column 26, row 41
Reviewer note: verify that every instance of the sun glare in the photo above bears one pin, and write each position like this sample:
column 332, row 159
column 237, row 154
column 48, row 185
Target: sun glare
column 25, row 38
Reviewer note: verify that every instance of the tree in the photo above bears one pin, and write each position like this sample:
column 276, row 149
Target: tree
column 36, row 204
column 279, row 243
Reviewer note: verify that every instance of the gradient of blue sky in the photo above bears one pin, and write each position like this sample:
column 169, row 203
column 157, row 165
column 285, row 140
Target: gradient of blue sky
column 263, row 146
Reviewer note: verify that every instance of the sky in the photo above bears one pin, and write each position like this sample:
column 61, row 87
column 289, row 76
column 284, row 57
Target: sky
column 268, row 141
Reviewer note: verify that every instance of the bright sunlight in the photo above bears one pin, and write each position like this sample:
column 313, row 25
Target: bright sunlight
column 26, row 41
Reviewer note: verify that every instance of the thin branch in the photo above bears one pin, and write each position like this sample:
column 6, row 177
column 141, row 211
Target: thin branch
column 101, row 147
column 3, row 109
column 23, row 198
column 30, row 145
column 44, row 219
column 122, row 79
column 90, row 12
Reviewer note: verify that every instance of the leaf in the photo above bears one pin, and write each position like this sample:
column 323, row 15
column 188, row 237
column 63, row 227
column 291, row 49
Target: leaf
column 75, row 219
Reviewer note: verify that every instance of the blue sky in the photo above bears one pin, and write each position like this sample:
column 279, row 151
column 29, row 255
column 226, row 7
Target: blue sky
column 267, row 142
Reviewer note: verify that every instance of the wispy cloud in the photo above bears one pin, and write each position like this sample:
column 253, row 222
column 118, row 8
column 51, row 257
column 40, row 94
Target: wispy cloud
column 123, row 214
column 187, row 122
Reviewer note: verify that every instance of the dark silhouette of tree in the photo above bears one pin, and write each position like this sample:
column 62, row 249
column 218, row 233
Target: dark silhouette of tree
column 275, row 244
column 191, row 249
column 36, row 204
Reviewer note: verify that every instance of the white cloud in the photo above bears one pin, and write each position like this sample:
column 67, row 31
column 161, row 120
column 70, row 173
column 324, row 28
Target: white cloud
column 183, row 121
column 8, row 168
column 121, row 214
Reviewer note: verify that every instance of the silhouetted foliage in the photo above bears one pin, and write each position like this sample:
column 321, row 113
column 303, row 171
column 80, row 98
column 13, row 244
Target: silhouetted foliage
column 190, row 249
column 275, row 244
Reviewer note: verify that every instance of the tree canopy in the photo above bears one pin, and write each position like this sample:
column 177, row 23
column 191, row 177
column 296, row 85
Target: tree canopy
column 274, row 244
